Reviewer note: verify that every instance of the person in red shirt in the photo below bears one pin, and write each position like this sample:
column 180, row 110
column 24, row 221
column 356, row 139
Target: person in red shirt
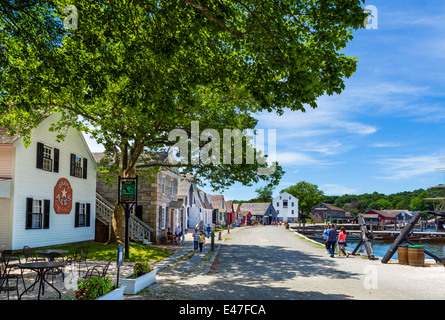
column 342, row 242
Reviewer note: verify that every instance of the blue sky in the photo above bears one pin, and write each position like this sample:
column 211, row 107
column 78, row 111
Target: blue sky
column 385, row 132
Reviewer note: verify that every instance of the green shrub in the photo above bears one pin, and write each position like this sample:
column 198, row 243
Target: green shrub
column 94, row 287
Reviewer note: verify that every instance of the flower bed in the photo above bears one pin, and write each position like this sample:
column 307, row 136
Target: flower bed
column 98, row 288
column 143, row 276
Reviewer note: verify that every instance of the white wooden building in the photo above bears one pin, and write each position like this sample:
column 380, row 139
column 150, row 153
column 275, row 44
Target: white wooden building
column 47, row 190
column 197, row 204
column 286, row 206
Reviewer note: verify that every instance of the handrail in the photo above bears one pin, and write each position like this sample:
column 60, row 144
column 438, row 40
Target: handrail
column 138, row 228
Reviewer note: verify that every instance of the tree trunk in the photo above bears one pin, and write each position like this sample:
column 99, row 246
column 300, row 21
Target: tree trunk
column 118, row 225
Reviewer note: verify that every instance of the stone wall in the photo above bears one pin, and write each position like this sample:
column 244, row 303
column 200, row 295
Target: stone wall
column 150, row 197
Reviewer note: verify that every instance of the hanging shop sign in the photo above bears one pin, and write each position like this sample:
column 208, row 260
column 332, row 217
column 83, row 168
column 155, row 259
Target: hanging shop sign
column 63, row 197
column 127, row 192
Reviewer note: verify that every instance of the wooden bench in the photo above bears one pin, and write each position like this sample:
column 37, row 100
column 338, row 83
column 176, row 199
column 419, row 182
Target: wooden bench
column 169, row 238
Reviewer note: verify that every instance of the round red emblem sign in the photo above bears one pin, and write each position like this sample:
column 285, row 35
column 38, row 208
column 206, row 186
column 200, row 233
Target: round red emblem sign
column 63, row 197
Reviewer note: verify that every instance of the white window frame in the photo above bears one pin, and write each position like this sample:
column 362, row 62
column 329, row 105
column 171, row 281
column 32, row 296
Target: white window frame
column 47, row 158
column 82, row 215
column 171, row 187
column 163, row 219
column 163, row 185
column 37, row 214
column 78, row 171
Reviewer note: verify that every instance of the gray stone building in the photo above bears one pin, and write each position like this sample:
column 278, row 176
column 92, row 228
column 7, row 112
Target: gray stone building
column 158, row 206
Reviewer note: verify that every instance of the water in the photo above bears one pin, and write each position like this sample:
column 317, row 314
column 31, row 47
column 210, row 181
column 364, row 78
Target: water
column 380, row 248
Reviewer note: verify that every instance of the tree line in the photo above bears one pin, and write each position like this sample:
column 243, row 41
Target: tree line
column 309, row 195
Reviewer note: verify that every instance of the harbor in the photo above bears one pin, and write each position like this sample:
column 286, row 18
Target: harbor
column 382, row 237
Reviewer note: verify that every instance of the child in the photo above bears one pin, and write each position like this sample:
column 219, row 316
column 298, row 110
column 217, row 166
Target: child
column 195, row 239
column 201, row 240
column 208, row 230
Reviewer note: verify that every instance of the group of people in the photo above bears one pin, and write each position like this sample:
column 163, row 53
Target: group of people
column 199, row 239
column 332, row 238
column 178, row 234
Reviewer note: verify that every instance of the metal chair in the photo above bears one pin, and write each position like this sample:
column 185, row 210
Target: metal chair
column 56, row 257
column 4, row 283
column 30, row 255
column 10, row 264
column 96, row 270
column 79, row 256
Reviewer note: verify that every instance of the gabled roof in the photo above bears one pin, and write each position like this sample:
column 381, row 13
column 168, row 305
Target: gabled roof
column 228, row 205
column 389, row 213
column 216, row 200
column 256, row 208
column 184, row 184
column 204, row 200
column 5, row 138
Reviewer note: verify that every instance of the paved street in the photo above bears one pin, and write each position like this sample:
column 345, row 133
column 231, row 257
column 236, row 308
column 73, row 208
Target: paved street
column 269, row 263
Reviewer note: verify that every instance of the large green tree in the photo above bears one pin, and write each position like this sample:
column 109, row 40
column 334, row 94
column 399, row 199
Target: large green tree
column 308, row 195
column 128, row 72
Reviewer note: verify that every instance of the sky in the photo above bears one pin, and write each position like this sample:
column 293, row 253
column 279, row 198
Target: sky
column 385, row 131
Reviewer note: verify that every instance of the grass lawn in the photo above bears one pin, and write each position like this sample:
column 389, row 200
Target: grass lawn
column 106, row 252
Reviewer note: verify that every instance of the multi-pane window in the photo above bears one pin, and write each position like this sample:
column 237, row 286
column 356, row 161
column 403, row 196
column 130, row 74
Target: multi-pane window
column 171, row 188
column 37, row 211
column 82, row 215
column 284, row 203
column 78, row 169
column 47, row 158
column 163, row 218
column 78, row 166
column 163, row 185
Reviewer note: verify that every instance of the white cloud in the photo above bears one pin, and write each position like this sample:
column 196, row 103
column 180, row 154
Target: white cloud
column 409, row 167
column 336, row 189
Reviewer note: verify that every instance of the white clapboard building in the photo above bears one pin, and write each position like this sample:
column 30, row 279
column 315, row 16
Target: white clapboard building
column 47, row 190
column 286, row 206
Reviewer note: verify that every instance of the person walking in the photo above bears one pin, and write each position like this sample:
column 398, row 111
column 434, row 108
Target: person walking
column 325, row 237
column 332, row 240
column 201, row 240
column 177, row 233
column 342, row 242
column 208, row 230
column 195, row 239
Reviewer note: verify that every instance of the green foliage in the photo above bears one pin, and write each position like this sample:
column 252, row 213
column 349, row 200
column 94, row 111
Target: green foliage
column 407, row 200
column 265, row 194
column 308, row 195
column 133, row 71
column 94, row 287
column 139, row 269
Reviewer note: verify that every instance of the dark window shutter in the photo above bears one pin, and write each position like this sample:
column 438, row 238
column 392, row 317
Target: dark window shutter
column 85, row 168
column 56, row 160
column 88, row 215
column 73, row 165
column 39, row 155
column 160, row 217
column 46, row 214
column 29, row 213
column 76, row 216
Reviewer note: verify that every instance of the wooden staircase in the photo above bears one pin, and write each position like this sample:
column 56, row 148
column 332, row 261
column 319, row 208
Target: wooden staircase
column 139, row 230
